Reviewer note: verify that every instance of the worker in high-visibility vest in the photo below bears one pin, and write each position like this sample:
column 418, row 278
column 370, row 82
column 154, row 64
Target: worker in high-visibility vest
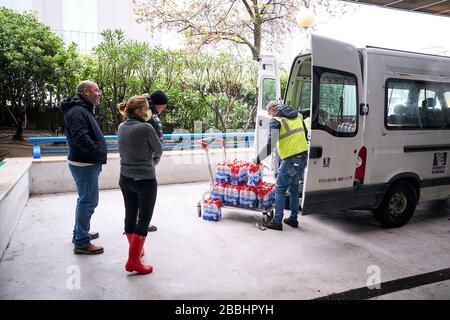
column 287, row 130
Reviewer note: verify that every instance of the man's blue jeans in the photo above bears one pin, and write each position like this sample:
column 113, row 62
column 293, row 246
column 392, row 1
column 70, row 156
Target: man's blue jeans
column 289, row 175
column 86, row 180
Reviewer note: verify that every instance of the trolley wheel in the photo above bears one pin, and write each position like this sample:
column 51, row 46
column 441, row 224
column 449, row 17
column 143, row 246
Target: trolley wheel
column 266, row 217
column 199, row 210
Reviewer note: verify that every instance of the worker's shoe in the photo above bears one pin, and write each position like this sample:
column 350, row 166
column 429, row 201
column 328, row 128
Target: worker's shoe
column 292, row 223
column 152, row 228
column 134, row 263
column 273, row 225
column 89, row 249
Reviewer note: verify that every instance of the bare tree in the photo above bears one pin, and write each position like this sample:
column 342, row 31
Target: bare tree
column 256, row 24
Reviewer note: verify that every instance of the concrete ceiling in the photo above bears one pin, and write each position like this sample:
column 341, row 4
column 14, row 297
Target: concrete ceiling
column 435, row 7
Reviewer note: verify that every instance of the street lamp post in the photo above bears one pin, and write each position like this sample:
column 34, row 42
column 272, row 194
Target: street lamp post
column 306, row 20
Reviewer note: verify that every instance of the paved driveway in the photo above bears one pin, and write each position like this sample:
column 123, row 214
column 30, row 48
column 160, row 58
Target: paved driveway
column 231, row 259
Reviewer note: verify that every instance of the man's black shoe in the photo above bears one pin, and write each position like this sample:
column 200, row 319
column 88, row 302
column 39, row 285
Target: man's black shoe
column 292, row 223
column 152, row 228
column 273, row 225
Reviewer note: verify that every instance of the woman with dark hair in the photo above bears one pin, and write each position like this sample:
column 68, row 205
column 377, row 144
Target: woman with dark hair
column 140, row 150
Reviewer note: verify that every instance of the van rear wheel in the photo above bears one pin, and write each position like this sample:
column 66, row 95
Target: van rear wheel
column 398, row 205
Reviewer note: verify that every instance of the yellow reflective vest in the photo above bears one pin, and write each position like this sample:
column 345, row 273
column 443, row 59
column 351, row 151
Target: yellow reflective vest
column 292, row 139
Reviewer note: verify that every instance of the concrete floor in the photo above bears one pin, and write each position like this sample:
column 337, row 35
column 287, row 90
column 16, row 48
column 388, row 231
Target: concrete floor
column 231, row 259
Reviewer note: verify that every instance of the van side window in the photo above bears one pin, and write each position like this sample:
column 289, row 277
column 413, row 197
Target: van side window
column 305, row 96
column 335, row 103
column 416, row 105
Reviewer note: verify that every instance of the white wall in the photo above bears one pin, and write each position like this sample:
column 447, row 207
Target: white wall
column 49, row 12
column 82, row 21
column 22, row 5
column 175, row 167
column 80, row 15
column 14, row 193
column 118, row 14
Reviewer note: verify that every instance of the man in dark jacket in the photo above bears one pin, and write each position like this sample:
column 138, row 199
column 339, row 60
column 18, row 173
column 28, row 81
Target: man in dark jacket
column 157, row 101
column 287, row 130
column 87, row 154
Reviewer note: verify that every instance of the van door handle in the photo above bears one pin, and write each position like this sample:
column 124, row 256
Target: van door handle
column 363, row 109
column 260, row 123
column 315, row 152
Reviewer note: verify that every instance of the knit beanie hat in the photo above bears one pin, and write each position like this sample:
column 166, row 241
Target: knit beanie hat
column 159, row 98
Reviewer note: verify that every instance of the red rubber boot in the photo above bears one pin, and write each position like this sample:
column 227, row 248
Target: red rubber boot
column 133, row 263
column 129, row 235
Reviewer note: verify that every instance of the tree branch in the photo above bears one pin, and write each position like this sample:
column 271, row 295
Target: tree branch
column 249, row 9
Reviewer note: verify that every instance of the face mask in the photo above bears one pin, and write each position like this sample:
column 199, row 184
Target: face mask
column 148, row 116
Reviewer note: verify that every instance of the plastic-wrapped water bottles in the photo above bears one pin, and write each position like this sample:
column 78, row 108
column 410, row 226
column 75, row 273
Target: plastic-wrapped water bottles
column 242, row 174
column 266, row 195
column 239, row 184
column 231, row 195
column 254, row 174
column 232, row 172
column 219, row 172
column 248, row 197
column 218, row 191
column 226, row 172
column 234, row 175
column 212, row 210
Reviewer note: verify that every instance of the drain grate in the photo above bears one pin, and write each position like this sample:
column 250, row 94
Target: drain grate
column 391, row 286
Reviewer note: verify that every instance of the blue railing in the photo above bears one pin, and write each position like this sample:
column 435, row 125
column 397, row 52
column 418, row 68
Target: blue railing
column 175, row 141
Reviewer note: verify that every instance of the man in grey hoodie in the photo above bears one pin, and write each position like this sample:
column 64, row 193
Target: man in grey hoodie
column 287, row 130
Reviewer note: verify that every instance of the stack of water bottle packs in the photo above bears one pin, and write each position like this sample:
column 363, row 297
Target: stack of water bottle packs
column 238, row 184
column 211, row 210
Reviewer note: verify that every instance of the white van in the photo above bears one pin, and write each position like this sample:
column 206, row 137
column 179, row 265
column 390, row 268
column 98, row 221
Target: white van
column 380, row 126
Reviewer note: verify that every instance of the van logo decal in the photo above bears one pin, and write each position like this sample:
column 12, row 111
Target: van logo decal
column 326, row 162
column 439, row 162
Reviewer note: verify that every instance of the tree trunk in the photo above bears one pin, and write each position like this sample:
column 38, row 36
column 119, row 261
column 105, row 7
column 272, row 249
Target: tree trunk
column 21, row 114
column 251, row 119
column 256, row 50
column 217, row 110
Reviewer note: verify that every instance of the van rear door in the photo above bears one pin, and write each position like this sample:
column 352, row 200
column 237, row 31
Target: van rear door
column 268, row 90
column 336, row 131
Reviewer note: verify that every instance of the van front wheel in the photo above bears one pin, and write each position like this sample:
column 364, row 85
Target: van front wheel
column 398, row 206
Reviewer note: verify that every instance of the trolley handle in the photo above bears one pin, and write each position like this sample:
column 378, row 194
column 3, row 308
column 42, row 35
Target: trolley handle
column 207, row 141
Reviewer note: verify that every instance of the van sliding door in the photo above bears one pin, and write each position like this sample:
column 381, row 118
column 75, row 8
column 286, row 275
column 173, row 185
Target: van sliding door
column 336, row 134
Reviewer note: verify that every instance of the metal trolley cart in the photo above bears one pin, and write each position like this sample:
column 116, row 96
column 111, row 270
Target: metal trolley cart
column 266, row 214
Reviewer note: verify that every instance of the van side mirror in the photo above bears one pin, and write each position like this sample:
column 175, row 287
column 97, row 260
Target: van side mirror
column 363, row 109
